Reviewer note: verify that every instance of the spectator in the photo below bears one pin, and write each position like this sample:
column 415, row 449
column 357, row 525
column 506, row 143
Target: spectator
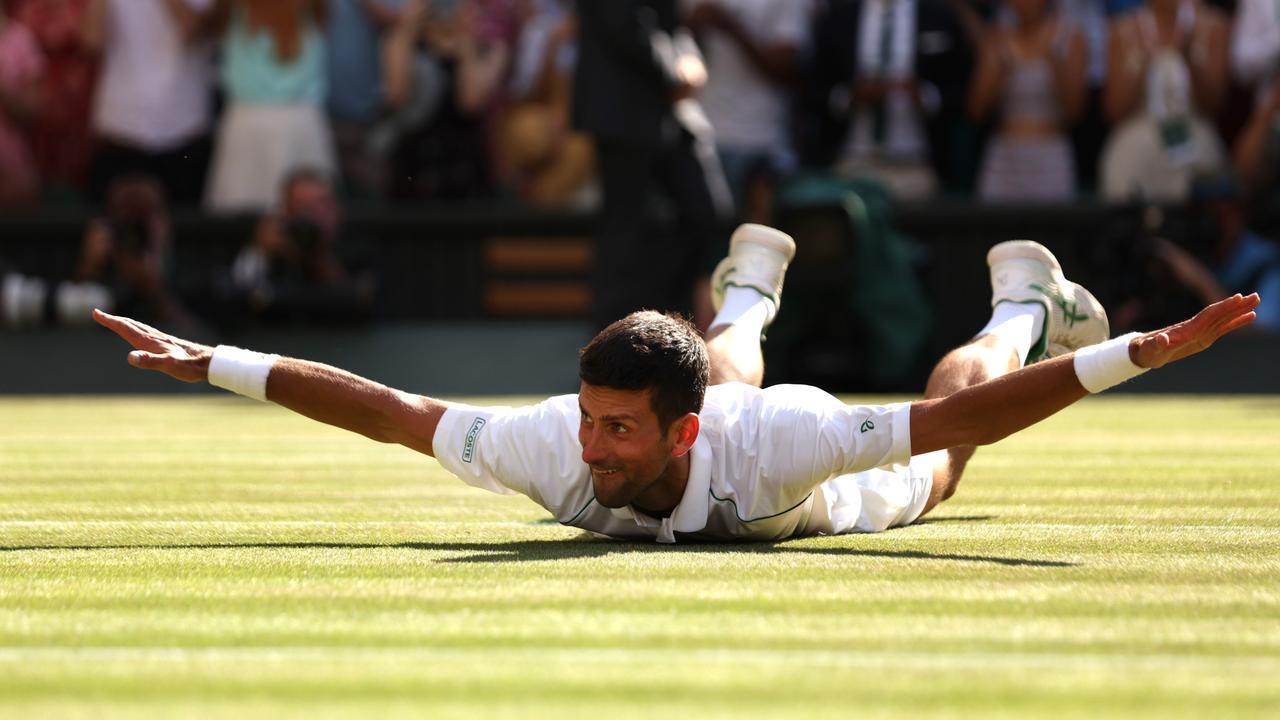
column 543, row 159
column 152, row 110
column 886, row 92
column 61, row 140
column 446, row 66
column 1255, row 62
column 635, row 83
column 354, row 37
column 273, row 73
column 21, row 68
column 292, row 271
column 1032, row 70
column 752, row 49
column 1090, row 130
column 128, row 253
column 1257, row 150
column 1189, row 29
column 1155, row 155
column 123, row 264
column 1243, row 260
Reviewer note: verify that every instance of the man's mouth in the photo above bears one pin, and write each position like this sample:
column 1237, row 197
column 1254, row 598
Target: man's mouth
column 603, row 471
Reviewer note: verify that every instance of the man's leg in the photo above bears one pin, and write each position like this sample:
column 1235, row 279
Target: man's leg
column 1036, row 314
column 747, row 292
column 734, row 347
column 990, row 355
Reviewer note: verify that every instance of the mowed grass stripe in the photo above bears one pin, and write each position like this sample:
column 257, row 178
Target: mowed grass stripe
column 557, row 683
column 215, row 557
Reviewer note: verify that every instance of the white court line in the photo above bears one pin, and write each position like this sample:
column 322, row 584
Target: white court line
column 662, row 656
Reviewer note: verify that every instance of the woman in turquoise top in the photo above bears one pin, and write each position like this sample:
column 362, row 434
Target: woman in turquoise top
column 274, row 76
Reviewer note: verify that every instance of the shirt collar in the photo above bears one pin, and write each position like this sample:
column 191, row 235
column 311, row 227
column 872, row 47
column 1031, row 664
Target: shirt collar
column 691, row 514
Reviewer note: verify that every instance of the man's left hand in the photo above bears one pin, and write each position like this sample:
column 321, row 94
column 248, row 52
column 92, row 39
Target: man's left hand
column 1161, row 347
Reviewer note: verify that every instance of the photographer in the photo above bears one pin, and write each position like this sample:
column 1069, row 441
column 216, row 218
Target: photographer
column 291, row 271
column 123, row 264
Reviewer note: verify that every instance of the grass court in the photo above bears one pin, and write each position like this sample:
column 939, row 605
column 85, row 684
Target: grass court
column 212, row 557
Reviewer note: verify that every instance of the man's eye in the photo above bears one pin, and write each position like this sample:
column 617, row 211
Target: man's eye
column 620, row 428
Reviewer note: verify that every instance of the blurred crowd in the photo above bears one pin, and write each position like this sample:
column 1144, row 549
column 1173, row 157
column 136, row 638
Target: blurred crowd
column 708, row 105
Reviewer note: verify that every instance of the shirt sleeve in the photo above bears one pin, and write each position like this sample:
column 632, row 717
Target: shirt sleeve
column 854, row 438
column 810, row 436
column 531, row 450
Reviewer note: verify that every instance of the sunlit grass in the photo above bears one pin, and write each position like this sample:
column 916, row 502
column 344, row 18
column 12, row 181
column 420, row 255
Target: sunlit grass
column 212, row 557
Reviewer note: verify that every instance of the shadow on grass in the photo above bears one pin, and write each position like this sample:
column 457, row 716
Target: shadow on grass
column 573, row 549
column 930, row 520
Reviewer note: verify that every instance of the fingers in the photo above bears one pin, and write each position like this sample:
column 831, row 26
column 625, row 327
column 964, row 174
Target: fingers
column 115, row 324
column 1216, row 320
column 1232, row 313
column 104, row 319
column 1238, row 322
column 139, row 335
column 119, row 323
column 1197, row 334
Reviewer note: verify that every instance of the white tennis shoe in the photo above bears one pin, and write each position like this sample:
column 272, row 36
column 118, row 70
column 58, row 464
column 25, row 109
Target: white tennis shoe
column 1023, row 271
column 757, row 259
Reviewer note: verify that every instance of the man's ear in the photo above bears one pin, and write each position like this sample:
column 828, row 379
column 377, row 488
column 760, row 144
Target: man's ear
column 684, row 431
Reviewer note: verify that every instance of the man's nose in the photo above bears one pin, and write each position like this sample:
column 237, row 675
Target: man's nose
column 593, row 451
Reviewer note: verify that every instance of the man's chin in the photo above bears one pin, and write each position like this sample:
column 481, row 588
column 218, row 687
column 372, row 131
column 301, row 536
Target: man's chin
column 610, row 497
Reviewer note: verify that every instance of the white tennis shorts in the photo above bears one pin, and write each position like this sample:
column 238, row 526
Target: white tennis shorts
column 874, row 500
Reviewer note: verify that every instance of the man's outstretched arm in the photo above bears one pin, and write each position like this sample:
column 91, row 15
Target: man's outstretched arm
column 984, row 413
column 320, row 392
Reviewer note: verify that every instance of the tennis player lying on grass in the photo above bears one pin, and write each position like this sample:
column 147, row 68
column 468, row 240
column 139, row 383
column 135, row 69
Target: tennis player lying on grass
column 647, row 450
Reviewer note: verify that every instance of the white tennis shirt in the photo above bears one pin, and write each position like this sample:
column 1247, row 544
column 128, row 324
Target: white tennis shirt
column 767, row 464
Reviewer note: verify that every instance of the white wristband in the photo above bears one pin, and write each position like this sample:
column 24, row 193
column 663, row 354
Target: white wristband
column 243, row 372
column 1106, row 364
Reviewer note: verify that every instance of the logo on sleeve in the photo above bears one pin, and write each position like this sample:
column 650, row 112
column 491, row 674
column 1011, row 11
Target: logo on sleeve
column 469, row 446
column 867, row 425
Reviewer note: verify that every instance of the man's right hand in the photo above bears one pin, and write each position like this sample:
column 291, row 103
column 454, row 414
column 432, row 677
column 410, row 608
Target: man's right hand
column 155, row 350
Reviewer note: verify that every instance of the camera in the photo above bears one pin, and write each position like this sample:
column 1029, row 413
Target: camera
column 129, row 236
column 304, row 233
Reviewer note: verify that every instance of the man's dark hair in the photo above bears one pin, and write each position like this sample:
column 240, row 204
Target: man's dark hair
column 647, row 350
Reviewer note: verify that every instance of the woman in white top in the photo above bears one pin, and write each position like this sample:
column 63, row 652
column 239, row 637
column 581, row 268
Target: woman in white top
column 1033, row 70
column 1190, row 29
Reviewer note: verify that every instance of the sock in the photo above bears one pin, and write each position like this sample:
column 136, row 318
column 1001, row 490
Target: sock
column 1017, row 323
column 746, row 308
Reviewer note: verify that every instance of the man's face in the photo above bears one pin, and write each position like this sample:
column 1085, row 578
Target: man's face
column 622, row 442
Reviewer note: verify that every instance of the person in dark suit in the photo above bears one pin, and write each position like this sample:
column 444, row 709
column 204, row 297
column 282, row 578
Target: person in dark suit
column 886, row 100
column 637, row 75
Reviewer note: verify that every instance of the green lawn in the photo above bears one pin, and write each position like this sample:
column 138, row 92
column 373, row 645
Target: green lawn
column 213, row 557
